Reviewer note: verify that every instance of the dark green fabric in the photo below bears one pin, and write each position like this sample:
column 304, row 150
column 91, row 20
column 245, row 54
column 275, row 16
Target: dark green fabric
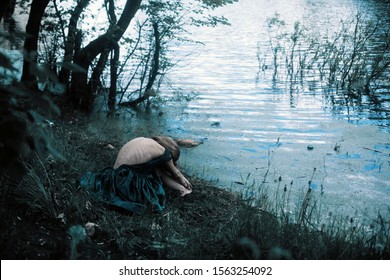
column 131, row 187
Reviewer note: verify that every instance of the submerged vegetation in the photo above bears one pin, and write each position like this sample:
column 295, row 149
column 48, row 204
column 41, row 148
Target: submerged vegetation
column 354, row 60
column 45, row 214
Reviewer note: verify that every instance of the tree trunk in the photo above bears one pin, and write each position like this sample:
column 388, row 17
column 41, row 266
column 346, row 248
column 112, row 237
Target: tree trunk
column 94, row 81
column 153, row 71
column 80, row 95
column 156, row 59
column 5, row 8
column 31, row 42
column 70, row 42
column 113, row 78
column 113, row 62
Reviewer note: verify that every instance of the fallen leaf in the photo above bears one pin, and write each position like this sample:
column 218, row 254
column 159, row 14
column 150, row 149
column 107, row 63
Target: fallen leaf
column 62, row 218
column 90, row 228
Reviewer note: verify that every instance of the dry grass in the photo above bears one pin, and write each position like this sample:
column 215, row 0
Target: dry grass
column 42, row 211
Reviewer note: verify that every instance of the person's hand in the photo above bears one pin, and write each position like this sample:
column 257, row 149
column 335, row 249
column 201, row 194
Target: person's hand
column 177, row 175
column 184, row 181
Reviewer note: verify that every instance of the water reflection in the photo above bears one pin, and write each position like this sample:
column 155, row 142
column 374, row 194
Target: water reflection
column 254, row 123
column 233, row 64
column 266, row 124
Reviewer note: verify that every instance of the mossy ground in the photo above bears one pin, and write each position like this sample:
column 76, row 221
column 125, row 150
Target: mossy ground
column 38, row 211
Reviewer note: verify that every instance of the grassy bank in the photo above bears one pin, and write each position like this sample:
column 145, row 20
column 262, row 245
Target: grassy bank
column 46, row 215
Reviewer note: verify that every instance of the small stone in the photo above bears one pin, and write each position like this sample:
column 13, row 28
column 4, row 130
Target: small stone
column 310, row 147
column 110, row 147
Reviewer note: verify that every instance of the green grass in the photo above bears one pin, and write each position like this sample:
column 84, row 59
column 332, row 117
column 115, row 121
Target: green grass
column 45, row 215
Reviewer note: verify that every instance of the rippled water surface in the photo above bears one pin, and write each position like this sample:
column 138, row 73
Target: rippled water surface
column 268, row 132
column 252, row 126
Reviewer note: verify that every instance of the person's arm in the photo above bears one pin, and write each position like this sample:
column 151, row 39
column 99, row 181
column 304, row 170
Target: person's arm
column 176, row 175
column 173, row 184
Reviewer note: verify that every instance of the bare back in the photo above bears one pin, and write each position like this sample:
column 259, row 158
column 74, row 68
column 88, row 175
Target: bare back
column 139, row 150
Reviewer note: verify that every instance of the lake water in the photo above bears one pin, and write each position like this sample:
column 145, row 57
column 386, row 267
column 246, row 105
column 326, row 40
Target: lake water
column 265, row 133
column 251, row 126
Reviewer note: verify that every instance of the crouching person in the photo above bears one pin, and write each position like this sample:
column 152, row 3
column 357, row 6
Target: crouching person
column 143, row 167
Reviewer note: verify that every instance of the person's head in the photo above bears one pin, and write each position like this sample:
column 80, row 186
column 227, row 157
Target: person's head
column 170, row 144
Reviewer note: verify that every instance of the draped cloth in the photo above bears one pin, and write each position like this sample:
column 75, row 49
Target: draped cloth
column 130, row 187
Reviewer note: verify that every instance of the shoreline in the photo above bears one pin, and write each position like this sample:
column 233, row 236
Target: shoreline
column 210, row 223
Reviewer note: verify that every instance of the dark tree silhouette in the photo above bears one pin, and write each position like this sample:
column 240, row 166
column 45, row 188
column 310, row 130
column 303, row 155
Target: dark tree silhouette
column 31, row 42
column 7, row 8
column 80, row 95
column 70, row 41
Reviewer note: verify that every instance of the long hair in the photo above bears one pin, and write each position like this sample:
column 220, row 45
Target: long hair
column 170, row 144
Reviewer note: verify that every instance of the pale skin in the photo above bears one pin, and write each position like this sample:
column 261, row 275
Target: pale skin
column 141, row 150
